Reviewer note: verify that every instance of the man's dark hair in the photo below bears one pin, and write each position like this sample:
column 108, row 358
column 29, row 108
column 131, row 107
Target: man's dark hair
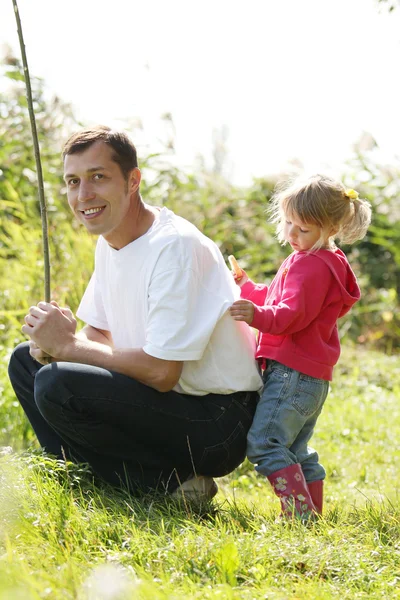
column 124, row 152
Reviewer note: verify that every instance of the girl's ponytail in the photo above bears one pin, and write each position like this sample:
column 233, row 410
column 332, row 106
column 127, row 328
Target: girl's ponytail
column 355, row 227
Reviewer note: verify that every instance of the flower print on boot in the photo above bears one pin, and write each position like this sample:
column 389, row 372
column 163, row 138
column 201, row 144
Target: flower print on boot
column 291, row 488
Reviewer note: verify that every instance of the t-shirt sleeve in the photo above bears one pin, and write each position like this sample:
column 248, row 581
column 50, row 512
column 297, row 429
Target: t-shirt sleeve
column 185, row 304
column 91, row 309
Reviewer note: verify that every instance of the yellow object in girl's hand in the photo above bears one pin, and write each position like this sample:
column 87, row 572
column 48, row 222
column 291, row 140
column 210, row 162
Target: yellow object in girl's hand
column 235, row 266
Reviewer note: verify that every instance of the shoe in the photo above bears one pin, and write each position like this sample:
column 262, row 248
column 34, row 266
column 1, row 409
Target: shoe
column 200, row 489
column 291, row 488
column 316, row 489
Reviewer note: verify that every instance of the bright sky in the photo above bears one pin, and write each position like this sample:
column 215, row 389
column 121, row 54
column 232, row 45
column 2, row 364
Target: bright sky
column 286, row 78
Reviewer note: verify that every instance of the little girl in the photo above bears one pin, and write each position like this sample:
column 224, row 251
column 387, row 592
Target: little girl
column 298, row 342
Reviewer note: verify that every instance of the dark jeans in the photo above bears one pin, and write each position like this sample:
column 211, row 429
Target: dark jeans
column 130, row 434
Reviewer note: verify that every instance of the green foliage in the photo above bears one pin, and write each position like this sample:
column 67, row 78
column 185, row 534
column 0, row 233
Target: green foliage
column 377, row 258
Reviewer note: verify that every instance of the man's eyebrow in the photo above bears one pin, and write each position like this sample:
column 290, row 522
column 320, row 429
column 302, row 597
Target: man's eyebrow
column 91, row 170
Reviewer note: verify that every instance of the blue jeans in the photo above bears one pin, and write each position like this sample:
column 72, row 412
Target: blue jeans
column 284, row 422
column 130, row 434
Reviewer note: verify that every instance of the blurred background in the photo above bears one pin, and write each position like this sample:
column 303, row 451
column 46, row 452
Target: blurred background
column 222, row 101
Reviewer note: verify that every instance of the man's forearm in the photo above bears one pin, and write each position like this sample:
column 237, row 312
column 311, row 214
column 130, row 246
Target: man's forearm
column 90, row 333
column 53, row 331
column 159, row 374
column 86, row 334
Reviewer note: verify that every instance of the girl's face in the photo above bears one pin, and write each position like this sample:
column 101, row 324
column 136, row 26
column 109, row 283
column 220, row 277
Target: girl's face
column 301, row 236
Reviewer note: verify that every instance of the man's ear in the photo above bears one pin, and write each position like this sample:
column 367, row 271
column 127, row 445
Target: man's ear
column 135, row 177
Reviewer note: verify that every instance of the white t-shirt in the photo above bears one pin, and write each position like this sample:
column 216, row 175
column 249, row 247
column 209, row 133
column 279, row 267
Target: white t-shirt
column 168, row 292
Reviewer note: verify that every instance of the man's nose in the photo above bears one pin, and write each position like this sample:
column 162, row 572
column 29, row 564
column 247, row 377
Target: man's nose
column 86, row 191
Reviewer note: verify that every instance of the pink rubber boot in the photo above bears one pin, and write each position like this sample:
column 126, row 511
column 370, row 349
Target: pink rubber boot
column 291, row 488
column 316, row 489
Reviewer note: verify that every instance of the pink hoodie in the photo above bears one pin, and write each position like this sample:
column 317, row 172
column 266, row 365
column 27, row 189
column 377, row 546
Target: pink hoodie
column 297, row 315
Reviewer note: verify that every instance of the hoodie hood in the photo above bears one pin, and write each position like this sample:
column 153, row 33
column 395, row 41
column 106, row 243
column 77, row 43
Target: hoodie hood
column 344, row 275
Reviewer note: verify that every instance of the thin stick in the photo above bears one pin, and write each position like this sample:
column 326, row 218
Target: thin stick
column 42, row 201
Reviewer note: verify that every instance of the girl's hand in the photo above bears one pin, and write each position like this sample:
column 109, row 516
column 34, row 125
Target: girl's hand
column 242, row 310
column 240, row 280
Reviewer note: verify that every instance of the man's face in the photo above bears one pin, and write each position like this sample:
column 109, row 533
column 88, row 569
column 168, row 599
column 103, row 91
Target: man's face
column 98, row 194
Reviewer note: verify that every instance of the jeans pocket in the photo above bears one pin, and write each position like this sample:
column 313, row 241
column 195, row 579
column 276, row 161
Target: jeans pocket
column 310, row 394
column 277, row 370
column 220, row 459
column 246, row 408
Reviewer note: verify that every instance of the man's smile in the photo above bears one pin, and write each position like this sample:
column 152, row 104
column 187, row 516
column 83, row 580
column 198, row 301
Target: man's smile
column 90, row 213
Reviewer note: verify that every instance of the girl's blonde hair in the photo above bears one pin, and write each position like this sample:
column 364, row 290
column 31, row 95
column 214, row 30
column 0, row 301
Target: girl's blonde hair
column 325, row 202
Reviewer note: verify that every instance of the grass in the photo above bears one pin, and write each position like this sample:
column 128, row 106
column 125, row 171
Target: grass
column 63, row 538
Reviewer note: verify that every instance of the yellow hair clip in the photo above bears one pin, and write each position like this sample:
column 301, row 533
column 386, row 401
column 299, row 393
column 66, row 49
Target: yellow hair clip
column 352, row 194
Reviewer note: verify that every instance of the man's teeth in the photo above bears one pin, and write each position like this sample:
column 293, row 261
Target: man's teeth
column 90, row 211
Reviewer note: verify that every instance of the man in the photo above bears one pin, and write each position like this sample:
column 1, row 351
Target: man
column 159, row 388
